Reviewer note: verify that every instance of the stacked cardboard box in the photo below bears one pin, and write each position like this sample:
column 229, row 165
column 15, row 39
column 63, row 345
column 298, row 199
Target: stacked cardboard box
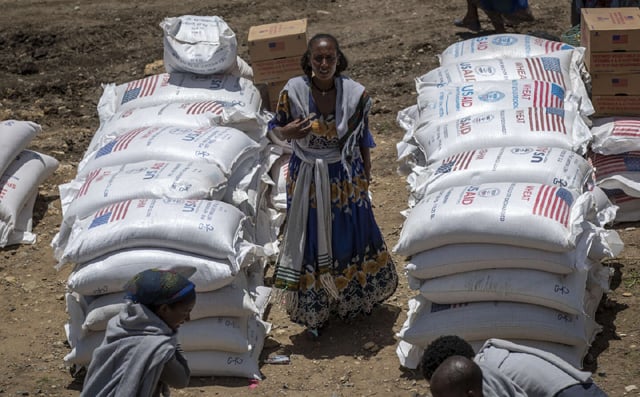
column 611, row 37
column 275, row 50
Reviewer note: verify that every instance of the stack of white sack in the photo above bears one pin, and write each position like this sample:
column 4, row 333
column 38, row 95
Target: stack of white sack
column 616, row 158
column 22, row 172
column 505, row 230
column 177, row 175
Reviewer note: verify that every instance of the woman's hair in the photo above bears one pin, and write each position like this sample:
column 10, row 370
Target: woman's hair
column 305, row 61
column 441, row 349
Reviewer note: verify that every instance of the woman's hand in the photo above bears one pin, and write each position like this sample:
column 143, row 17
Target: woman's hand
column 297, row 129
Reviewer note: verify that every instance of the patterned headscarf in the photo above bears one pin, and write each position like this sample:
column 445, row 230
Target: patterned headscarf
column 155, row 287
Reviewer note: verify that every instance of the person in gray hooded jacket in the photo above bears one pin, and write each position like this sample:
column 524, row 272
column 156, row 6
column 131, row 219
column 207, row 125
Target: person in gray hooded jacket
column 139, row 355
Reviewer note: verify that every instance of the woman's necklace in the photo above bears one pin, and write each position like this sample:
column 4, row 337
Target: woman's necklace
column 323, row 92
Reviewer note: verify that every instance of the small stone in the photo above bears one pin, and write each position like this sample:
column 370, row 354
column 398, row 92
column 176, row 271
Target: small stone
column 369, row 346
column 630, row 388
column 627, row 294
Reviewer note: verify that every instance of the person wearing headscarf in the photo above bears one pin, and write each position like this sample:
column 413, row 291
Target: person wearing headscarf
column 139, row 355
column 334, row 259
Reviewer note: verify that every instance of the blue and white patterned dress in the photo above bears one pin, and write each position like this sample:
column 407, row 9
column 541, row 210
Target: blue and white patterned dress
column 362, row 268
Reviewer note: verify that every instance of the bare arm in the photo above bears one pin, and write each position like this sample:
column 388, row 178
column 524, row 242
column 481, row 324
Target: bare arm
column 297, row 129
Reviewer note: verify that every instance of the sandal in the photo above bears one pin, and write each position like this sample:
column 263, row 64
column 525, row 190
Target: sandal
column 473, row 26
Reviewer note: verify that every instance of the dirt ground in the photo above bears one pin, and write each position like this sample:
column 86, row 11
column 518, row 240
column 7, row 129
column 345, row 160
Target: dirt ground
column 54, row 56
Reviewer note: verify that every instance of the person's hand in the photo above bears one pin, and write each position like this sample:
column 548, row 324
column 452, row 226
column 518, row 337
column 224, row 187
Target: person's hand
column 298, row 128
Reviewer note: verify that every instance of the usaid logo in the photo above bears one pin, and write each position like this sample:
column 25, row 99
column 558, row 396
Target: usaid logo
column 485, row 70
column 489, row 192
column 486, row 118
column 521, row 150
column 491, row 96
column 504, row 40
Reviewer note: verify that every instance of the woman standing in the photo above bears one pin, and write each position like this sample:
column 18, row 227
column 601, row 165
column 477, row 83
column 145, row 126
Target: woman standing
column 334, row 259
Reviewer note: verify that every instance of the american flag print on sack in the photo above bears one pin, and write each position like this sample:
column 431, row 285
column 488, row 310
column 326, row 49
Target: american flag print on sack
column 616, row 164
column 547, row 94
column 456, row 162
column 553, row 203
column 215, row 107
column 120, row 143
column 627, row 128
column 546, row 69
column 112, row 213
column 140, row 88
column 552, row 46
column 87, row 183
column 547, row 119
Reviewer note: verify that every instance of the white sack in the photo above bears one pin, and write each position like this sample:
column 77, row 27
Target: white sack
column 18, row 185
column 109, row 273
column 452, row 101
column 520, row 214
column 506, row 45
column 220, row 363
column 533, row 164
column 224, row 146
column 149, row 179
column 628, row 206
column 460, row 258
column 232, row 92
column 562, row 67
column 208, row 228
column 22, row 232
column 515, row 127
column 410, row 355
column 194, row 115
column 566, row 293
column 618, row 172
column 82, row 352
column 198, row 44
column 279, row 173
column 15, row 136
column 232, row 300
column 426, row 321
column 615, row 135
column 228, row 334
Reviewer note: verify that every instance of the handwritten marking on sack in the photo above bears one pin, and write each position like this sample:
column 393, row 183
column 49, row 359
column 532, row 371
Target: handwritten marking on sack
column 234, row 360
column 563, row 290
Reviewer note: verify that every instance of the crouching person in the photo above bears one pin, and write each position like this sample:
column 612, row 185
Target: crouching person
column 140, row 355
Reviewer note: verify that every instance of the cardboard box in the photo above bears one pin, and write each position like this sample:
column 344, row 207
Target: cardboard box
column 274, row 89
column 278, row 40
column 610, row 29
column 615, row 83
column 626, row 61
column 273, row 70
column 616, row 105
column 270, row 93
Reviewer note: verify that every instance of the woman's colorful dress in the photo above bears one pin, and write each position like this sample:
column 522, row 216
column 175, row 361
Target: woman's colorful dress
column 362, row 268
